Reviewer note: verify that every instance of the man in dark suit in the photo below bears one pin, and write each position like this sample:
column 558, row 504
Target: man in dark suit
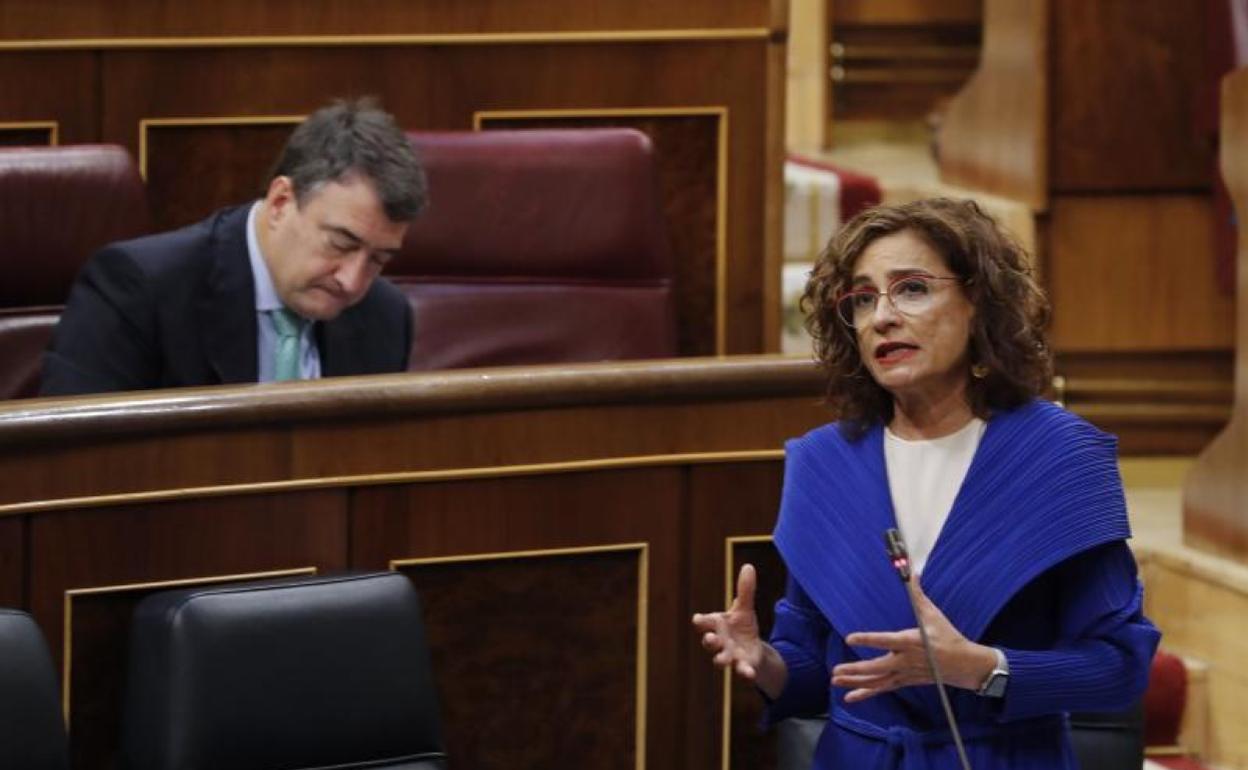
column 283, row 288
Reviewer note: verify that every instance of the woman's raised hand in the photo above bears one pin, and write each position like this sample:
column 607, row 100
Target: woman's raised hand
column 732, row 636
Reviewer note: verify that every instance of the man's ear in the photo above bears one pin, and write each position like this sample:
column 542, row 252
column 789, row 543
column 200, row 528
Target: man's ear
column 279, row 201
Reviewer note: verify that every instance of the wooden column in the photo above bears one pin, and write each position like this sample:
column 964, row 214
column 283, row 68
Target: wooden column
column 1215, row 496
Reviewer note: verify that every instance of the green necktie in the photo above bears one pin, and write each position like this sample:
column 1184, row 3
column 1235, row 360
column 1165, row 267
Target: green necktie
column 286, row 359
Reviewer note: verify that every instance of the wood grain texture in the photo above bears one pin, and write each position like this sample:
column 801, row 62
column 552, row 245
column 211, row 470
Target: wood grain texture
column 750, row 746
column 78, row 19
column 229, row 164
column 1215, row 498
column 900, row 12
column 13, row 562
column 553, row 678
column 20, row 136
column 1135, row 273
column 180, row 539
column 727, row 501
column 1126, row 79
column 62, row 86
column 994, row 135
column 558, row 511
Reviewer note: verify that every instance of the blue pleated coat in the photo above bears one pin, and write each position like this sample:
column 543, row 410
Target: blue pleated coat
column 1032, row 559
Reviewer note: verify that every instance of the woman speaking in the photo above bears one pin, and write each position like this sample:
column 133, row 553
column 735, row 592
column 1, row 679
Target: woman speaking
column 930, row 327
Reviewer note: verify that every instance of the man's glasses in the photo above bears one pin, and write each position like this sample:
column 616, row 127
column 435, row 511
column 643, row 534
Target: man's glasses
column 909, row 295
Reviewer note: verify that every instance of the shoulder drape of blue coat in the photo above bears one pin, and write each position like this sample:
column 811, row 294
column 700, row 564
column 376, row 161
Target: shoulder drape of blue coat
column 1043, row 486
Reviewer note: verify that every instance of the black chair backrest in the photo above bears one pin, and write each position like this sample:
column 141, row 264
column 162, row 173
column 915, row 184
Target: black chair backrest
column 32, row 735
column 310, row 672
column 1105, row 741
column 1110, row 740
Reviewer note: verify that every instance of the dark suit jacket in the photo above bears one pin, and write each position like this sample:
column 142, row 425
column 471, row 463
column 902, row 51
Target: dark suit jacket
column 178, row 309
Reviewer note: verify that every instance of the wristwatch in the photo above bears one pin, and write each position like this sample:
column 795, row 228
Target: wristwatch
column 994, row 684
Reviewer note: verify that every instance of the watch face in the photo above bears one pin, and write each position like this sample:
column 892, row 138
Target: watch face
column 995, row 686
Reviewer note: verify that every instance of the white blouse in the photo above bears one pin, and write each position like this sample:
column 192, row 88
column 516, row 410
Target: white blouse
column 924, row 478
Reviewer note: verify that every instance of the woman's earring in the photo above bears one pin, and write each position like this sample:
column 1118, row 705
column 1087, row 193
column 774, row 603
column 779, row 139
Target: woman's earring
column 979, row 371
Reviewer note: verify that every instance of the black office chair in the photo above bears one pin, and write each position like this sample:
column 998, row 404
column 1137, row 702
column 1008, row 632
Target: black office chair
column 1111, row 740
column 1104, row 741
column 32, row 735
column 302, row 673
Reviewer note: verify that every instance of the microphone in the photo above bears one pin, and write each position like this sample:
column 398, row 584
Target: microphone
column 896, row 547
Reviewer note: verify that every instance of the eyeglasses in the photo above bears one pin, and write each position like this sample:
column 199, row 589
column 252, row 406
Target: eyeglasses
column 909, row 295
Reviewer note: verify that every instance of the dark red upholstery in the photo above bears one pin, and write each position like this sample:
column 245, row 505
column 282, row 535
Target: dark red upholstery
column 57, row 206
column 23, row 337
column 1165, row 700
column 537, row 247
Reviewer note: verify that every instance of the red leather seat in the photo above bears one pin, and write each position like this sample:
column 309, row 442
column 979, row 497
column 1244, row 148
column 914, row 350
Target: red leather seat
column 540, row 246
column 57, row 206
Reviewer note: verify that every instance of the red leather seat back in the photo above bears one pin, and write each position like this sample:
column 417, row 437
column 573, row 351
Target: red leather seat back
column 57, row 206
column 538, row 247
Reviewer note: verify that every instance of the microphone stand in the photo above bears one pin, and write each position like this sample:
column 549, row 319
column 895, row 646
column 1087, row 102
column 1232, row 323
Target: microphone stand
column 901, row 562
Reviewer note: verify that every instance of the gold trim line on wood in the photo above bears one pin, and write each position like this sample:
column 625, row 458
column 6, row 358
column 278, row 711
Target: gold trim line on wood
column 340, row 41
column 643, row 608
column 53, row 127
column 721, row 178
column 192, row 122
column 537, row 553
column 70, row 594
column 401, row 477
column 643, row 635
column 729, row 584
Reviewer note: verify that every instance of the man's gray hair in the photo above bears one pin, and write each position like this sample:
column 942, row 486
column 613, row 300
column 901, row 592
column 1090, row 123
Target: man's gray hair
column 355, row 137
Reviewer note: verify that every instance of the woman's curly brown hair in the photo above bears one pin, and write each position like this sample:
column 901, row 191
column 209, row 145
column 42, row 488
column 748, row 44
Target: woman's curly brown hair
column 1007, row 330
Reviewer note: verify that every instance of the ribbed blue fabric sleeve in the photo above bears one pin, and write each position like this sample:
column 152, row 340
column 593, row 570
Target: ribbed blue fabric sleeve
column 800, row 635
column 1105, row 644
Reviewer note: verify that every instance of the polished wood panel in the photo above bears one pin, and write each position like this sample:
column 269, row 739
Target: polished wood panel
column 687, row 155
column 13, row 562
column 1136, row 273
column 559, row 511
column 59, row 86
column 509, row 637
column 906, row 11
column 1125, row 81
column 79, row 19
column 27, row 135
column 994, row 135
column 180, row 539
column 1215, row 499
column 1088, row 114
column 229, row 163
column 49, row 472
column 734, row 500
column 750, row 746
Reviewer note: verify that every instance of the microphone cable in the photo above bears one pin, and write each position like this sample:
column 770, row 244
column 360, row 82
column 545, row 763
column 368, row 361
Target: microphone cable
column 901, row 562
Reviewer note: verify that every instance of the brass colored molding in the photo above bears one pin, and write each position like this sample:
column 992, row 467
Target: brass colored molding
column 721, row 178
column 643, row 607
column 401, row 477
column 53, row 128
column 240, row 120
column 341, row 41
column 68, row 642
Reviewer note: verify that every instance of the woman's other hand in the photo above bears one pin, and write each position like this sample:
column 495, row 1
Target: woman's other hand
column 962, row 663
